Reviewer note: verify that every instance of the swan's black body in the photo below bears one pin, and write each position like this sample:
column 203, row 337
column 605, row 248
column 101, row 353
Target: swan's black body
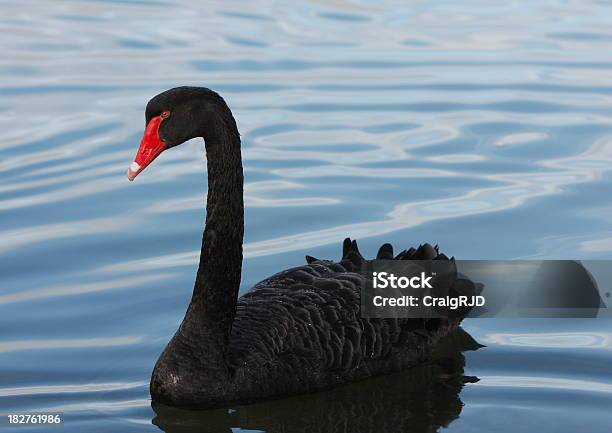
column 297, row 331
column 424, row 399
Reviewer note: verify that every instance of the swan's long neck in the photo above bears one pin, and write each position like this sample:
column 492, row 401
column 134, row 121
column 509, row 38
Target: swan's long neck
column 213, row 306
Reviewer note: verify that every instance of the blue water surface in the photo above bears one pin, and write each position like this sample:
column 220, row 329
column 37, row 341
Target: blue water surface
column 484, row 127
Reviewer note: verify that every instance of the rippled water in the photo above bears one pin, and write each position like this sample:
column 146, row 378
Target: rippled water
column 483, row 127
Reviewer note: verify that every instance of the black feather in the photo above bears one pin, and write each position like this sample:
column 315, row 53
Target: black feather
column 385, row 252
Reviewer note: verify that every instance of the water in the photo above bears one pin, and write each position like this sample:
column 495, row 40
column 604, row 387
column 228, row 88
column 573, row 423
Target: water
column 483, row 127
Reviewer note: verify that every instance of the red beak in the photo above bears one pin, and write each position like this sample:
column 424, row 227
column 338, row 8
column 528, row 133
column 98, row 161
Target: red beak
column 150, row 148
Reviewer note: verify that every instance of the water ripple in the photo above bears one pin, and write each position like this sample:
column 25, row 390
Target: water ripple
column 548, row 340
column 18, row 346
column 69, row 388
column 79, row 289
column 555, row 383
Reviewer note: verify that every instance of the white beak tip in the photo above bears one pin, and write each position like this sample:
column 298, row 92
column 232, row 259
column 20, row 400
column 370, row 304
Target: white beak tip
column 133, row 170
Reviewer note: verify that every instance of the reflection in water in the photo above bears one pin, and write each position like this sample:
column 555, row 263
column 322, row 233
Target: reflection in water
column 421, row 399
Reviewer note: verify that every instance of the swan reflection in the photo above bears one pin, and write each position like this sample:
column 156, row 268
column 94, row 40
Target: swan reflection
column 422, row 399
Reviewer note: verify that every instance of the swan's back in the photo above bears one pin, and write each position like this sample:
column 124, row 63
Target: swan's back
column 301, row 329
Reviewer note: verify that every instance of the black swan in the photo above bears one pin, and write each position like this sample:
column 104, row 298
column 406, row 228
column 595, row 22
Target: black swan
column 299, row 330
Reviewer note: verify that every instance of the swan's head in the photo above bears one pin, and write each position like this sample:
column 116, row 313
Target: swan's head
column 173, row 117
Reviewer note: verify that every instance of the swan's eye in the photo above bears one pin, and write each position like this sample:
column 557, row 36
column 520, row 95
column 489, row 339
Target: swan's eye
column 165, row 115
